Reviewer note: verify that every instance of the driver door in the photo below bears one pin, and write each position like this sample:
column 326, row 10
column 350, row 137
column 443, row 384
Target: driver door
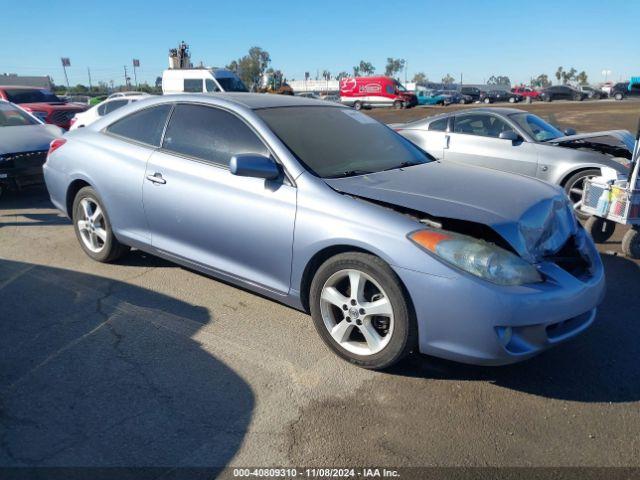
column 199, row 211
column 474, row 140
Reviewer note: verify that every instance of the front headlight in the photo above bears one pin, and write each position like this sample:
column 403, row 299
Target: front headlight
column 480, row 258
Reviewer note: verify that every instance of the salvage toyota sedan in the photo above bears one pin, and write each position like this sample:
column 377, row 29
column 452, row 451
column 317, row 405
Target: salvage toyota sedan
column 322, row 208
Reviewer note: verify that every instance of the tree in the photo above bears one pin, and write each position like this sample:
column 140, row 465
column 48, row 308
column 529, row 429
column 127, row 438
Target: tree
column 394, row 66
column 448, row 79
column 365, row 68
column 501, row 80
column 559, row 73
column 420, row 77
column 582, row 78
column 566, row 75
column 251, row 67
column 541, row 81
column 342, row 75
column 326, row 74
column 356, row 71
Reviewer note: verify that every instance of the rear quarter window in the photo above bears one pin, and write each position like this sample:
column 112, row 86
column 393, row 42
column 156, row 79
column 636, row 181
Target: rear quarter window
column 144, row 126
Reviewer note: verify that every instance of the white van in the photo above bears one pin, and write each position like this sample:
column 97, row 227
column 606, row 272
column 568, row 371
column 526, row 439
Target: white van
column 201, row 80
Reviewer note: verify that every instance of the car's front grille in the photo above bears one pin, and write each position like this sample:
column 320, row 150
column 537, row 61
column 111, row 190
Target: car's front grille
column 24, row 159
column 63, row 116
column 571, row 260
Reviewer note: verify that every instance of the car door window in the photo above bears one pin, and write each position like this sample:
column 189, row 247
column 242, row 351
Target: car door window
column 144, row 126
column 439, row 125
column 193, row 85
column 102, row 108
column 210, row 134
column 114, row 105
column 481, row 125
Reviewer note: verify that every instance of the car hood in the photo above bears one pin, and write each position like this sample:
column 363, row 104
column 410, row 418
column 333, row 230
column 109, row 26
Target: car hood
column 534, row 217
column 26, row 138
column 593, row 138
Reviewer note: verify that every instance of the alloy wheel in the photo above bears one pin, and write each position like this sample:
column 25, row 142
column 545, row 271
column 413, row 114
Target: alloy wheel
column 357, row 312
column 91, row 225
column 575, row 191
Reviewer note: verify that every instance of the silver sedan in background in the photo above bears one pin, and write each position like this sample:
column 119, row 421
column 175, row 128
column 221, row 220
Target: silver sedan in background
column 519, row 142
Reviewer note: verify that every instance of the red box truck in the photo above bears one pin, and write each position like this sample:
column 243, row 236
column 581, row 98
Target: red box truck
column 368, row 92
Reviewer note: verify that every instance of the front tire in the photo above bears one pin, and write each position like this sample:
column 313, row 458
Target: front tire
column 398, row 105
column 512, row 99
column 487, row 100
column 574, row 187
column 618, row 96
column 357, row 105
column 361, row 311
column 93, row 228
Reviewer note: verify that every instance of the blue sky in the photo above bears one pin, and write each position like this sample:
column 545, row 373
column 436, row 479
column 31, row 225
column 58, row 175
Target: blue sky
column 477, row 39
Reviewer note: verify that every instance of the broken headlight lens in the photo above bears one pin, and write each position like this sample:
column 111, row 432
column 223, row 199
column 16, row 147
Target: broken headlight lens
column 480, row 258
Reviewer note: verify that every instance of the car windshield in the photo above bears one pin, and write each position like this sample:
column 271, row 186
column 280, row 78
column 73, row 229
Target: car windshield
column 231, row 84
column 11, row 116
column 20, row 95
column 536, row 127
column 339, row 142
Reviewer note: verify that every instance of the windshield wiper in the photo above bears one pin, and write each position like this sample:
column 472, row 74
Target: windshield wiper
column 402, row 165
column 350, row 173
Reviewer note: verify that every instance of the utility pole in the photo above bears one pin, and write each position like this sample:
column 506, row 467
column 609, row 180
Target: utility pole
column 66, row 62
column 136, row 63
column 461, row 80
column 126, row 77
column 89, row 72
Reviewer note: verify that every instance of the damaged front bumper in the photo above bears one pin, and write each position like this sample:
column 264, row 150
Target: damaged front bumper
column 466, row 319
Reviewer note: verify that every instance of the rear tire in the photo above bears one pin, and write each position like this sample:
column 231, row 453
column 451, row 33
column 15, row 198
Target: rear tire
column 618, row 96
column 398, row 105
column 93, row 228
column 486, row 100
column 357, row 105
column 600, row 229
column 341, row 318
column 512, row 99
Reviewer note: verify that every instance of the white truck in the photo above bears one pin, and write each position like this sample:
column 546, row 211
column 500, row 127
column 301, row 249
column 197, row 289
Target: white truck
column 201, row 80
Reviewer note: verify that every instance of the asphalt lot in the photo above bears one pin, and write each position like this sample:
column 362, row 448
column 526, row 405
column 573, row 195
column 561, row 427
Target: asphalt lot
column 144, row 363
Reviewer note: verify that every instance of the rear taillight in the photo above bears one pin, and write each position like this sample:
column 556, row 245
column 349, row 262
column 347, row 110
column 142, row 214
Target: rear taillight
column 73, row 120
column 56, row 144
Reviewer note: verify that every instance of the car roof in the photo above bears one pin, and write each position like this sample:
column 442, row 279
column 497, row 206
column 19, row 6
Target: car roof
column 256, row 101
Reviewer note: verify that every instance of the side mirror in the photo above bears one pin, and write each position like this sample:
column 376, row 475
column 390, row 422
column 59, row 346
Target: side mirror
column 570, row 131
column 509, row 135
column 252, row 165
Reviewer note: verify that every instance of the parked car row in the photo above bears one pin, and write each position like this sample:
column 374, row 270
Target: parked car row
column 391, row 248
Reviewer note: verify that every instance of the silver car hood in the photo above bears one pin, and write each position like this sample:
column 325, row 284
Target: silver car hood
column 534, row 217
column 624, row 135
column 26, row 138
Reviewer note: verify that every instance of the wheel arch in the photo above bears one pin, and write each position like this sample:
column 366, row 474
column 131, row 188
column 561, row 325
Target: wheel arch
column 72, row 190
column 570, row 173
column 326, row 253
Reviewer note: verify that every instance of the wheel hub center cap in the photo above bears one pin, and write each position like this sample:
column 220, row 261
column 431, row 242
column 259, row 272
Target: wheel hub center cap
column 353, row 312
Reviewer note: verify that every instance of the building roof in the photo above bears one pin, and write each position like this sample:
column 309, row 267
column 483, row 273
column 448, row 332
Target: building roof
column 25, row 81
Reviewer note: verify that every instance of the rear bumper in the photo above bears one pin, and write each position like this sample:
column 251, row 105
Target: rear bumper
column 468, row 320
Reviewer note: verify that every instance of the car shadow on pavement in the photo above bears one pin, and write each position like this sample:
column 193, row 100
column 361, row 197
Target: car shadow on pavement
column 22, row 204
column 600, row 365
column 99, row 373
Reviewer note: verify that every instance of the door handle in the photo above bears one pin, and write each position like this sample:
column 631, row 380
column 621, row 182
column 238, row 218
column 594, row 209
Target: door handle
column 156, row 178
column 446, row 141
